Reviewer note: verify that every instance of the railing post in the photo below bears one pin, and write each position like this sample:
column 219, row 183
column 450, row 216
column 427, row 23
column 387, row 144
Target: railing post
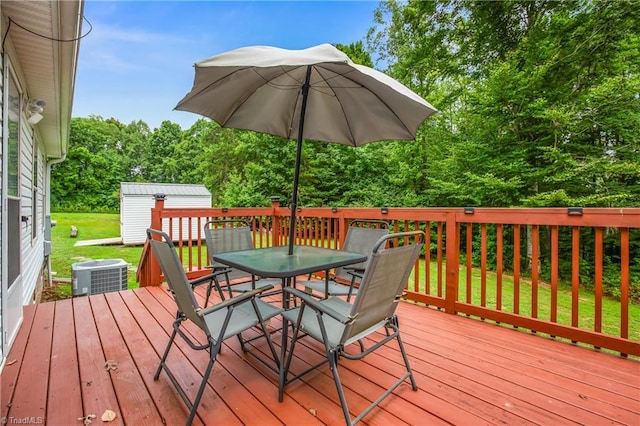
column 343, row 226
column 453, row 260
column 275, row 229
column 156, row 223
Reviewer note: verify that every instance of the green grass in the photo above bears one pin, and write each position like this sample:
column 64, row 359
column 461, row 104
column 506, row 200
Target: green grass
column 90, row 226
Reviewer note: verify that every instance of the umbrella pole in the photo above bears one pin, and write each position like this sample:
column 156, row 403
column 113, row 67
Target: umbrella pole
column 296, row 173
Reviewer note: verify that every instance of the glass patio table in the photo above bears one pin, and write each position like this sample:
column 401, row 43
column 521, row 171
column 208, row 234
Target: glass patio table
column 274, row 262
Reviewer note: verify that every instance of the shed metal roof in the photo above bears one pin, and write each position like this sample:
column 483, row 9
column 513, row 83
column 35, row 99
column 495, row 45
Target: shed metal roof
column 135, row 188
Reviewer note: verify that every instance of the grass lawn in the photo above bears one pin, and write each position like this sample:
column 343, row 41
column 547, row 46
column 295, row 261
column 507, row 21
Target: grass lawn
column 90, row 226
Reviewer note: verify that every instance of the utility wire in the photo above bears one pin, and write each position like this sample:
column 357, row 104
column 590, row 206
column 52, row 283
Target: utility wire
column 11, row 21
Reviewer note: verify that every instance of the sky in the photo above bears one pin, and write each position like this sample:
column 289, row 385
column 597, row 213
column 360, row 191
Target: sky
column 136, row 63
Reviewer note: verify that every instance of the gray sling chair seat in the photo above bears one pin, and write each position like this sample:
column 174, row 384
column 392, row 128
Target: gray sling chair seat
column 218, row 322
column 337, row 323
column 361, row 237
column 227, row 235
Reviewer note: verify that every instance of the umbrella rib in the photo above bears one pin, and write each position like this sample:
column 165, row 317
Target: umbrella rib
column 204, row 89
column 346, row 117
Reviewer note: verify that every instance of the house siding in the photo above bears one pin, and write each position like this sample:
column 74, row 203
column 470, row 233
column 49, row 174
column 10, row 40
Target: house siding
column 31, row 249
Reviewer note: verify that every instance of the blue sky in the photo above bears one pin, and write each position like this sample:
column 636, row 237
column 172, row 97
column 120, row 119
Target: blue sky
column 137, row 62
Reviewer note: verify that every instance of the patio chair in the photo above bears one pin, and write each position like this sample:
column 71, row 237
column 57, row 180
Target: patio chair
column 227, row 235
column 337, row 323
column 218, row 322
column 361, row 237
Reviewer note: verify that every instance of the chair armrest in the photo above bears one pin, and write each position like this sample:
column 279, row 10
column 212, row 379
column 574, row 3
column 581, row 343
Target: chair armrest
column 218, row 269
column 317, row 305
column 357, row 273
column 237, row 300
column 203, row 279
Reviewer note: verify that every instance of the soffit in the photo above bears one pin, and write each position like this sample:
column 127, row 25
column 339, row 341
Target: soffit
column 48, row 66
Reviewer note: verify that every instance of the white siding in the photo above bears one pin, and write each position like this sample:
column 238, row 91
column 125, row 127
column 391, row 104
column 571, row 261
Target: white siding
column 32, row 250
column 135, row 215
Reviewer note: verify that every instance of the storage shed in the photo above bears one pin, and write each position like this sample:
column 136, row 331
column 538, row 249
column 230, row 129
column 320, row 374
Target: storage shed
column 136, row 202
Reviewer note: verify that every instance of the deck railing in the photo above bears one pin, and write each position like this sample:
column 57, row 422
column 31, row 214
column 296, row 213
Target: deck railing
column 507, row 265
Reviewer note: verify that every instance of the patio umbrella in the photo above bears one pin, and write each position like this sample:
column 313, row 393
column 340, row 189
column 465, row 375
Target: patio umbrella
column 316, row 93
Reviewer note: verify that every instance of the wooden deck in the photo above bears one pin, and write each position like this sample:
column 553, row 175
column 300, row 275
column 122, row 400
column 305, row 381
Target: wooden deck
column 468, row 372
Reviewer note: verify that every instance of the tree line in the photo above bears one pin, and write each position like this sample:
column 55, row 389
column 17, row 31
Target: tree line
column 539, row 106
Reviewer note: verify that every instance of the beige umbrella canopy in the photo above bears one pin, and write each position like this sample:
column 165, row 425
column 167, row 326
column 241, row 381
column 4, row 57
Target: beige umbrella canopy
column 316, row 93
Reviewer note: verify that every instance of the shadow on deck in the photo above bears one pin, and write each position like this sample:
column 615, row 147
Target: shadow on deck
column 468, row 372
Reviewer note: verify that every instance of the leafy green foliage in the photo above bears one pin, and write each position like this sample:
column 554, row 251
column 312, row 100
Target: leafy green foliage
column 539, row 106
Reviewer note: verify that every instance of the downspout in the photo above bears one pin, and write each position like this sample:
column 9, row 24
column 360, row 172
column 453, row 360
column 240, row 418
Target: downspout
column 47, row 210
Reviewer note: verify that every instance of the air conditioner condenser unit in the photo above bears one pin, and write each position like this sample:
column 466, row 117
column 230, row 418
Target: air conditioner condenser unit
column 99, row 276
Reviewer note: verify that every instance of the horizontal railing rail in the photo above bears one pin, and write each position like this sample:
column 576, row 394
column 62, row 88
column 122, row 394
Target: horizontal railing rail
column 556, row 271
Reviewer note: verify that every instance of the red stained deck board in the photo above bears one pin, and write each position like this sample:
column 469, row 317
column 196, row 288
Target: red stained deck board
column 541, row 385
column 468, row 371
column 560, row 361
column 529, row 346
column 460, row 398
column 573, row 382
column 135, row 405
column 98, row 394
column 14, row 361
column 30, row 396
column 64, row 404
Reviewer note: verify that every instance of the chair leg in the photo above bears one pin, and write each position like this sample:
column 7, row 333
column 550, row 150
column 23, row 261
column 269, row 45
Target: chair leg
column 241, row 340
column 164, row 356
column 213, row 351
column 333, row 356
column 414, row 386
column 208, row 294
